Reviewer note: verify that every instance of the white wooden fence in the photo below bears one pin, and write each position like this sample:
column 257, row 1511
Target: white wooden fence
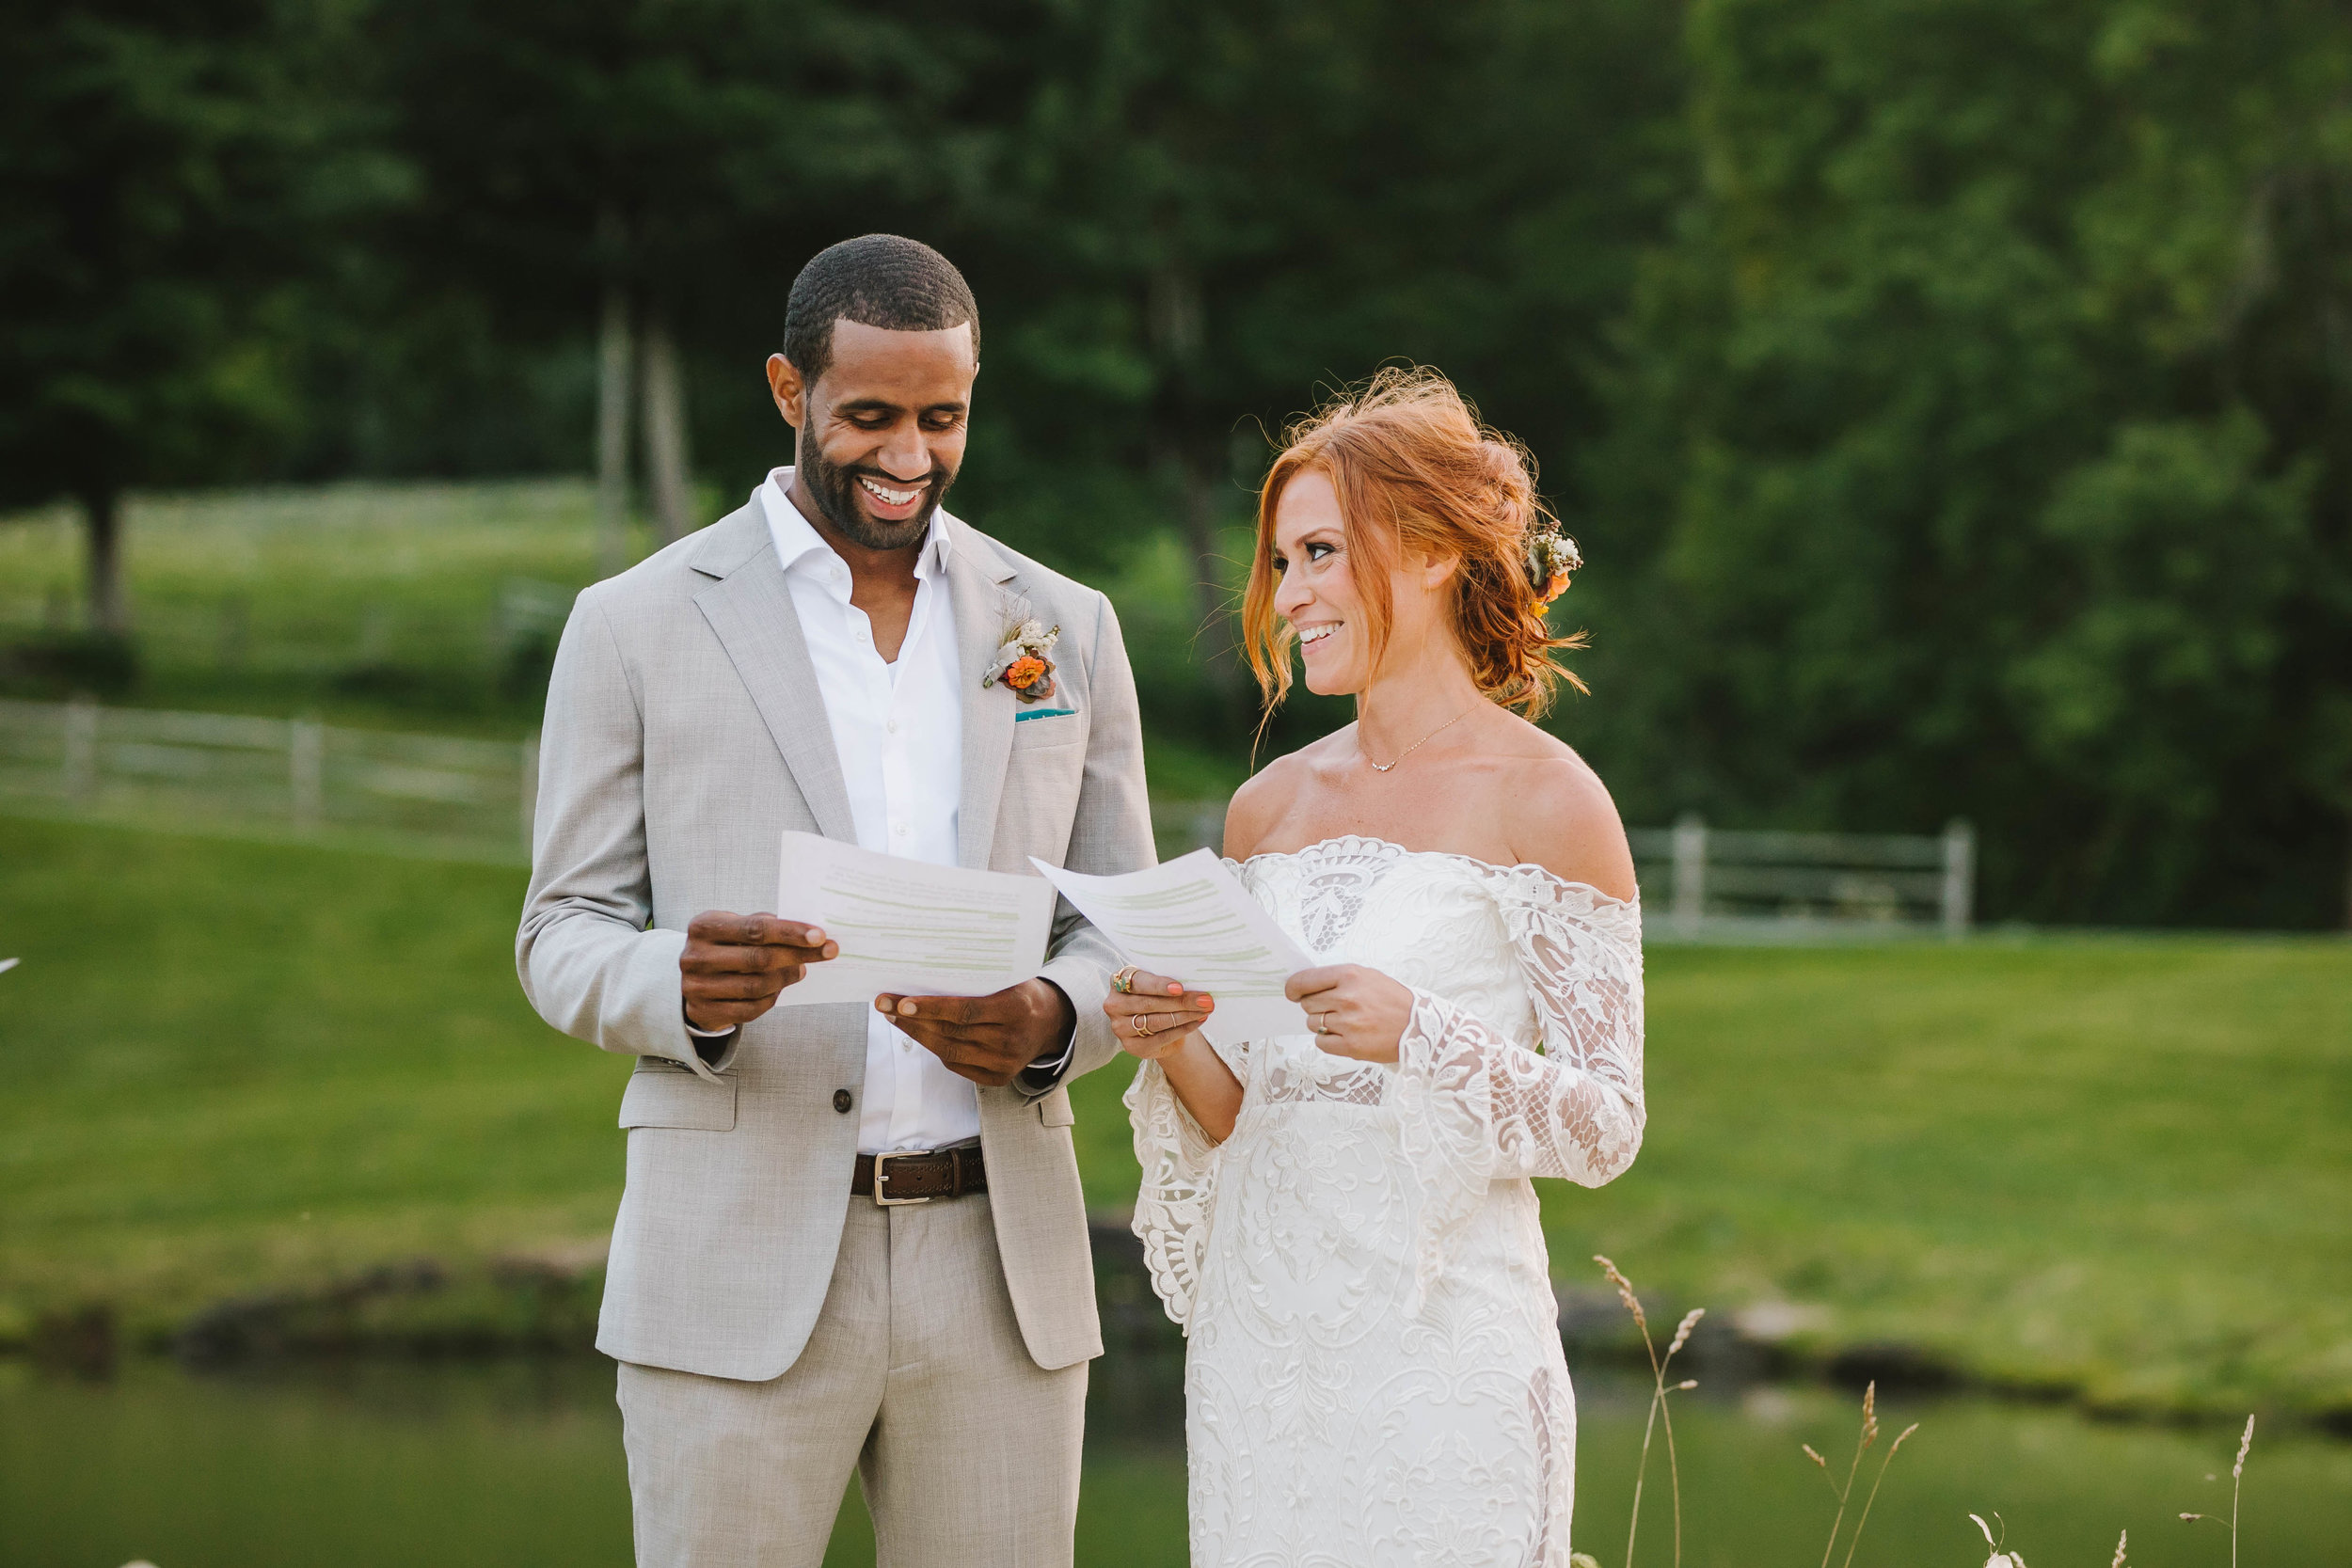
column 1697, row 880
column 474, row 798
column 1713, row 882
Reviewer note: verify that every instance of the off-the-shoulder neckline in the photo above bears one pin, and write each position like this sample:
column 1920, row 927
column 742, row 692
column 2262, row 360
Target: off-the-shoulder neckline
column 1543, row 872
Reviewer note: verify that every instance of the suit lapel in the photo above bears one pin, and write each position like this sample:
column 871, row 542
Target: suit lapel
column 976, row 579
column 750, row 608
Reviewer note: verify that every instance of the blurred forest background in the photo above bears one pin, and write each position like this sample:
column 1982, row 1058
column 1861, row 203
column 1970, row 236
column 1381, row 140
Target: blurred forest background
column 1953, row 397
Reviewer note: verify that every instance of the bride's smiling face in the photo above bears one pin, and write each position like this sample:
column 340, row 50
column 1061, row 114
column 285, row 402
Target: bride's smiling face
column 1318, row 593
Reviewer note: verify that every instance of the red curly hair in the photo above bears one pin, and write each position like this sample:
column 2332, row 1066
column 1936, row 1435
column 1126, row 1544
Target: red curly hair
column 1416, row 472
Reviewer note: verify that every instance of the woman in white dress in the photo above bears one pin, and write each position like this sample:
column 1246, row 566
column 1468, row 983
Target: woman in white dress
column 1343, row 1220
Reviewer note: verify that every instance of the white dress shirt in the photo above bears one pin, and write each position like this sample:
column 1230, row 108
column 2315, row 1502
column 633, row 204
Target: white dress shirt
column 899, row 731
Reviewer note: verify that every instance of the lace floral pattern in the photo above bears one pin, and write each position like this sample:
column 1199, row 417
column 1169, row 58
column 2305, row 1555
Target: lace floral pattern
column 1374, row 1373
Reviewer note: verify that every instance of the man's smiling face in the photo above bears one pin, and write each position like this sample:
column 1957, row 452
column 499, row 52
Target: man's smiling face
column 882, row 433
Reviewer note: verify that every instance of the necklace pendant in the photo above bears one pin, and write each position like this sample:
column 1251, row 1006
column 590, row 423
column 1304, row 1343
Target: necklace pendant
column 1384, row 767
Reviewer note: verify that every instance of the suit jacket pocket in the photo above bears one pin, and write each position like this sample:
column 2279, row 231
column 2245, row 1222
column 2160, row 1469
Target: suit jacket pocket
column 677, row 1097
column 1036, row 730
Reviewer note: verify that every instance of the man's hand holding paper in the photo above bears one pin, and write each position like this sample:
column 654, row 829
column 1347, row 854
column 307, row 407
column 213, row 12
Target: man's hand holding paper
column 950, row 955
column 909, row 927
column 734, row 966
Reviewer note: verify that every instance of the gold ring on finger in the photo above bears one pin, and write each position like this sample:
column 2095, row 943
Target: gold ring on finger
column 1124, row 981
column 1143, row 1026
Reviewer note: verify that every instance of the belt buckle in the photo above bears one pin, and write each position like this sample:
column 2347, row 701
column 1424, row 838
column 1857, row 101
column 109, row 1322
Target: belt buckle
column 882, row 1182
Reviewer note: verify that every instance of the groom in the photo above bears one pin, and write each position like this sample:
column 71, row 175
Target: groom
column 852, row 1236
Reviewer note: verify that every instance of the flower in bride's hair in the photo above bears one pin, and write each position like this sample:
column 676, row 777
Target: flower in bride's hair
column 1551, row 557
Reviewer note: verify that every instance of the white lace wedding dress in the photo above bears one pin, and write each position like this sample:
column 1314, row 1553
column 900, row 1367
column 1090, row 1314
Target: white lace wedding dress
column 1374, row 1375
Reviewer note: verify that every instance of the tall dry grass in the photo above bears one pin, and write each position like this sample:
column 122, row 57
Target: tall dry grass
column 1661, row 1418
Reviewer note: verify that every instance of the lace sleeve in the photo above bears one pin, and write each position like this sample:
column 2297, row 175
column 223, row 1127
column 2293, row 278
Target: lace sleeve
column 1479, row 1107
column 1179, row 1163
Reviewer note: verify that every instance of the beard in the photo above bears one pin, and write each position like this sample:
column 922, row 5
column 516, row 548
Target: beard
column 835, row 488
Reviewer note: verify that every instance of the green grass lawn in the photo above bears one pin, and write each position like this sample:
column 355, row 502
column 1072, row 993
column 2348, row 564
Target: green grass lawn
column 2120, row 1168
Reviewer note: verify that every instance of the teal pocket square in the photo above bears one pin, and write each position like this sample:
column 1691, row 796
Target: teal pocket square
column 1043, row 713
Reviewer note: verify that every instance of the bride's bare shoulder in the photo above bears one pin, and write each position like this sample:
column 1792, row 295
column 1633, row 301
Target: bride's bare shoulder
column 1557, row 813
column 1272, row 794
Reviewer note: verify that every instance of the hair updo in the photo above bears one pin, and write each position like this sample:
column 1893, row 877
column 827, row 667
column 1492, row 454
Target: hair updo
column 1417, row 472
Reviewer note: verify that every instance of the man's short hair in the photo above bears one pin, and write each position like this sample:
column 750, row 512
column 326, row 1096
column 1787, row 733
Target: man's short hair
column 882, row 281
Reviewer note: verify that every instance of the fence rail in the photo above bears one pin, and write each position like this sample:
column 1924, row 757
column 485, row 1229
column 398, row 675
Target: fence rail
column 467, row 796
column 1701, row 881
column 475, row 798
column 1714, row 877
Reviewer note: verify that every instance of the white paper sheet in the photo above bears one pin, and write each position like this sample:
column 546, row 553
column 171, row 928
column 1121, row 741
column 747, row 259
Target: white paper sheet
column 909, row 926
column 1193, row 921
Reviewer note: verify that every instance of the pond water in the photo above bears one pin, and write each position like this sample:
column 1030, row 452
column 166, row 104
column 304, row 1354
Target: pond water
column 518, row 1465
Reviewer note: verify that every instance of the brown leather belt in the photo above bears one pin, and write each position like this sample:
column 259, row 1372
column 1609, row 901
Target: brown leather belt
column 919, row 1176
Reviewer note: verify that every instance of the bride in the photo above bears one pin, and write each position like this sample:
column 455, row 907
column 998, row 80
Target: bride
column 1343, row 1220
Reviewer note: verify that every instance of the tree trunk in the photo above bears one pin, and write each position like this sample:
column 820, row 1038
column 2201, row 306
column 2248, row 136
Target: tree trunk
column 1219, row 634
column 612, row 387
column 1177, row 318
column 109, row 607
column 669, row 470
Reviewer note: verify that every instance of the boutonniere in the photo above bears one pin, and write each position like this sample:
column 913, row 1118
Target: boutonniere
column 1025, row 660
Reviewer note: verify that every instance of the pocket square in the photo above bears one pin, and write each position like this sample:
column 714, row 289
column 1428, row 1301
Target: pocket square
column 1029, row 713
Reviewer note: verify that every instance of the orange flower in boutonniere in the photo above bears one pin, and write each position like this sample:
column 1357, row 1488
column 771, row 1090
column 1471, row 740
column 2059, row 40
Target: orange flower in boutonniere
column 1024, row 660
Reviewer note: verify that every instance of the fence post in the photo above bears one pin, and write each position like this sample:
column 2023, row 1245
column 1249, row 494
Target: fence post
column 1689, row 870
column 531, row 789
column 80, row 748
column 305, row 749
column 1960, row 877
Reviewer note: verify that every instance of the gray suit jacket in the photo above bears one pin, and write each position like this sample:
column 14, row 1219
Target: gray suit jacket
column 684, row 734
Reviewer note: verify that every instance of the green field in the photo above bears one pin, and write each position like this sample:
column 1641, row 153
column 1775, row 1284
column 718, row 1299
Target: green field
column 2114, row 1168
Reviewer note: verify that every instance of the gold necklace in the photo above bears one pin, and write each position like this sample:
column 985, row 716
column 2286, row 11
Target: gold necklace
column 1388, row 767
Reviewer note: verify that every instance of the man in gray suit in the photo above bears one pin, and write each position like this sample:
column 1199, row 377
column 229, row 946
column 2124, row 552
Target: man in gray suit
column 852, row 1237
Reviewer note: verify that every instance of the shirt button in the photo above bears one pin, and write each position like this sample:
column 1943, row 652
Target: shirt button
column 892, row 726
column 899, row 828
column 841, row 1100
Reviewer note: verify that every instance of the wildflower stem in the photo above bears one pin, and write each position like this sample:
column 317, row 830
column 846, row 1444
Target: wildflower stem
column 1641, row 1472
column 1846, row 1492
column 1862, row 1524
column 1673, row 1473
column 2237, row 1484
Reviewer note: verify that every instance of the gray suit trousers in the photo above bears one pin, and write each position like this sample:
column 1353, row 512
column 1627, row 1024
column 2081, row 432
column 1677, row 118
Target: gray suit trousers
column 915, row 1375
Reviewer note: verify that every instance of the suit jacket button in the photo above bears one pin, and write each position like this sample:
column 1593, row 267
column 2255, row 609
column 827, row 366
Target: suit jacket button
column 841, row 1100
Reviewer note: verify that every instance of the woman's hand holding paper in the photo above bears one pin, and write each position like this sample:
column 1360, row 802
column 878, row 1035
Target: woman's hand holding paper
column 1159, row 1020
column 1157, row 1014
